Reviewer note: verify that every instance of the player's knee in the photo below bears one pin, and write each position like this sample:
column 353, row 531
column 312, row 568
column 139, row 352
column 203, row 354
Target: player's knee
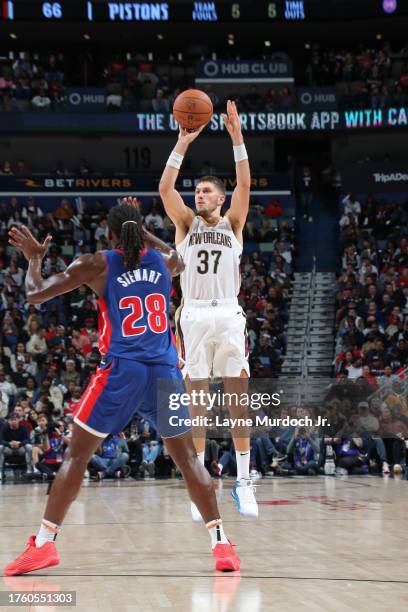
column 78, row 458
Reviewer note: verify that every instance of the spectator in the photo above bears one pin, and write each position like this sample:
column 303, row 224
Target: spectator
column 41, row 101
column 64, row 212
column 160, row 104
column 305, row 451
column 70, row 374
column 23, row 65
column 61, row 169
column 129, row 101
column 154, row 220
column 38, row 439
column 19, row 411
column 20, row 377
column 37, row 344
column 351, row 205
column 113, row 101
column 22, row 92
column 306, row 191
column 84, row 168
column 274, row 209
column 49, row 446
column 7, row 388
column 15, row 443
column 350, row 458
column 71, row 405
column 151, row 451
column 394, row 431
column 9, row 331
column 113, row 455
column 6, row 169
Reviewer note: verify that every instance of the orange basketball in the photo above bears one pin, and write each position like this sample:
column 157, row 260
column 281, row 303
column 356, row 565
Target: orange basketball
column 192, row 109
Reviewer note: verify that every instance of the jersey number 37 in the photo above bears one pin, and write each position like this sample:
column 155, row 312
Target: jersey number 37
column 154, row 306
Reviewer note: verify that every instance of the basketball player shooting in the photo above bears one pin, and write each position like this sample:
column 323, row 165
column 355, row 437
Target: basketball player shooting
column 211, row 325
column 133, row 282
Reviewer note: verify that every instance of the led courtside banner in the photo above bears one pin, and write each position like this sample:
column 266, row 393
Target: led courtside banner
column 130, row 123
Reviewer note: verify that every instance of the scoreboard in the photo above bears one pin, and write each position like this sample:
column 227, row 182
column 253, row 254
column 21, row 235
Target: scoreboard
column 222, row 11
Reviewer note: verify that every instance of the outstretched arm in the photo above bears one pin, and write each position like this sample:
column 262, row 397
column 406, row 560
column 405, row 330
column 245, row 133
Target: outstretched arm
column 239, row 208
column 179, row 213
column 172, row 258
column 86, row 269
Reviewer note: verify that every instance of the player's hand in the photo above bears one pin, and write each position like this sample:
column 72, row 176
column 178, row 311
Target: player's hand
column 23, row 239
column 233, row 123
column 187, row 137
column 130, row 201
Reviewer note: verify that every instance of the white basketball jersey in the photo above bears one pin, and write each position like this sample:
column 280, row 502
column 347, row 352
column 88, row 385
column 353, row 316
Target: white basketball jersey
column 212, row 256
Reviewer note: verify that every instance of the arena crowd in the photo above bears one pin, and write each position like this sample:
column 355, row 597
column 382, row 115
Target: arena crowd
column 49, row 352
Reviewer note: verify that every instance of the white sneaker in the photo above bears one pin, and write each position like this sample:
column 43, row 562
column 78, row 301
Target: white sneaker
column 195, row 513
column 255, row 475
column 385, row 468
column 243, row 493
column 341, row 471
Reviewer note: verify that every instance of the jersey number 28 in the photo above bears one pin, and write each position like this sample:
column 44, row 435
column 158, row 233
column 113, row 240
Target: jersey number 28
column 156, row 308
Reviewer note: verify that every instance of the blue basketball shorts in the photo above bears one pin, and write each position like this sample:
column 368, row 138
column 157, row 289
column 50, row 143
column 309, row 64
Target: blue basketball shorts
column 121, row 388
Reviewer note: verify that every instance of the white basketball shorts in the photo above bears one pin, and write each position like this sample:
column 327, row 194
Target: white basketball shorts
column 212, row 339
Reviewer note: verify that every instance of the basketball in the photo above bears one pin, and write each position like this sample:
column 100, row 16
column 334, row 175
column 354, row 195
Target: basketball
column 192, row 109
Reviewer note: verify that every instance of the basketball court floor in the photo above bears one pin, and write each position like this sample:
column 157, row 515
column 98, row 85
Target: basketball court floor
column 320, row 544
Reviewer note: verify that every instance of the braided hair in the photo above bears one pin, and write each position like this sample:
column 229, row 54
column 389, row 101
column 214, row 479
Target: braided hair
column 125, row 222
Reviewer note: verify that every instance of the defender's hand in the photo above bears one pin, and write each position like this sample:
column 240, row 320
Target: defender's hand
column 130, row 201
column 233, row 123
column 24, row 240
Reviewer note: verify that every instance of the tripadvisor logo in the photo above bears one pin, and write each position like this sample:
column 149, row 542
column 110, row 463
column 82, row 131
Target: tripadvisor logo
column 392, row 177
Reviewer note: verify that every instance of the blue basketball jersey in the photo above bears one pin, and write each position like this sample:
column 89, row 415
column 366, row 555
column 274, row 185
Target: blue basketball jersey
column 134, row 310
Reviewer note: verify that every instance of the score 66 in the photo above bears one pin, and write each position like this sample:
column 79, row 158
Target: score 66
column 52, row 10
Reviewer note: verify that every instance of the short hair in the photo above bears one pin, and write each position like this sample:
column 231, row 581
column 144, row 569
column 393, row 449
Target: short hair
column 217, row 182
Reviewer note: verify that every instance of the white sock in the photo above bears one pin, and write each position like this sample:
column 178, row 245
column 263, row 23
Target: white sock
column 47, row 533
column 216, row 531
column 201, row 457
column 221, row 467
column 242, row 464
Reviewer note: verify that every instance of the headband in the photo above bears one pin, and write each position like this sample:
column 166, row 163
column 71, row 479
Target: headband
column 135, row 222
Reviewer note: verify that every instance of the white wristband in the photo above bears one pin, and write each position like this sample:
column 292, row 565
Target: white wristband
column 175, row 160
column 240, row 153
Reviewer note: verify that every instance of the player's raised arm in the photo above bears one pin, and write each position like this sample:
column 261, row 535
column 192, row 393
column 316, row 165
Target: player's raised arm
column 85, row 269
column 179, row 213
column 238, row 210
column 172, row 258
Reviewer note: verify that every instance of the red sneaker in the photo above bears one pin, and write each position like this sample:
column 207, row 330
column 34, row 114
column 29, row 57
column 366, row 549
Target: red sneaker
column 226, row 559
column 33, row 558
